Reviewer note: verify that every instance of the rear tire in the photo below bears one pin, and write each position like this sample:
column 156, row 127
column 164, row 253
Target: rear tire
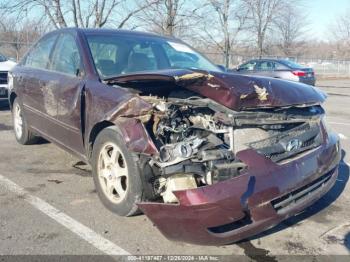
column 23, row 135
column 116, row 173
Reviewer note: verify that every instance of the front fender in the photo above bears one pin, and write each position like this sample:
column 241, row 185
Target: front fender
column 135, row 135
column 129, row 117
column 106, row 106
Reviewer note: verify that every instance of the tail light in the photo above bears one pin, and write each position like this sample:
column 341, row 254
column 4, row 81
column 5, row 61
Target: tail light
column 299, row 73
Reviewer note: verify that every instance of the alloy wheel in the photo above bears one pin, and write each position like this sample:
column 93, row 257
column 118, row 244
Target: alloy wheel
column 113, row 172
column 18, row 121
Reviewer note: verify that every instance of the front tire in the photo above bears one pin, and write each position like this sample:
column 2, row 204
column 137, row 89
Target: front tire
column 116, row 173
column 23, row 135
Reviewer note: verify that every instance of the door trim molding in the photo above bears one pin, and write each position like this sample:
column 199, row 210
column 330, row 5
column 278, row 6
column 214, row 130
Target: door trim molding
column 56, row 121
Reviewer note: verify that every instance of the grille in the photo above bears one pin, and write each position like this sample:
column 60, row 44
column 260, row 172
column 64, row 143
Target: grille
column 3, row 78
column 246, row 220
column 305, row 146
column 287, row 201
column 3, row 92
column 277, row 148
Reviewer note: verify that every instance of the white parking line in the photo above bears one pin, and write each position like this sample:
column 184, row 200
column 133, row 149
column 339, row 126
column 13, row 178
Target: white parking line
column 79, row 229
column 339, row 123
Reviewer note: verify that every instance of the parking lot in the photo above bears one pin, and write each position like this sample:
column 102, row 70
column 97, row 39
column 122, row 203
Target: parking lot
column 49, row 206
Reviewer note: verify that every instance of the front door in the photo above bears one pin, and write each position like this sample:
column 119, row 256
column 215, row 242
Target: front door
column 66, row 63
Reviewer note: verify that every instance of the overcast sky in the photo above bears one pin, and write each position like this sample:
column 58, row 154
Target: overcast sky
column 322, row 13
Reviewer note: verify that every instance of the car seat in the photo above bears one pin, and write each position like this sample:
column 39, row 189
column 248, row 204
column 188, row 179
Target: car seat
column 138, row 62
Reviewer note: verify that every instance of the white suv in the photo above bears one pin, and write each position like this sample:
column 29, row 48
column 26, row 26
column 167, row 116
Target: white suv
column 5, row 66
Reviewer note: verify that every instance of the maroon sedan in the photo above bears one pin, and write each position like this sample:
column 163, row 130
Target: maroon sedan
column 210, row 157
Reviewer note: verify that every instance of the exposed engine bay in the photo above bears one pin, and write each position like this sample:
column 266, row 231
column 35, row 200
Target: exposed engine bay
column 198, row 140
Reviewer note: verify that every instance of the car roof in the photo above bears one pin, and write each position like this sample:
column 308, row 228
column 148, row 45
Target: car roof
column 103, row 31
column 268, row 60
column 281, row 61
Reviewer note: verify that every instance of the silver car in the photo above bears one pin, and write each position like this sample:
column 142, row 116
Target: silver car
column 279, row 68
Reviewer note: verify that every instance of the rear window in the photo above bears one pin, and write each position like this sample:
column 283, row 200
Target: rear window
column 291, row 64
column 279, row 66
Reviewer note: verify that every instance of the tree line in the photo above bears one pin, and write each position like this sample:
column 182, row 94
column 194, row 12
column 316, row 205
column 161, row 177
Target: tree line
column 251, row 27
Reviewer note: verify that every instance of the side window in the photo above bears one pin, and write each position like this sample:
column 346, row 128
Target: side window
column 248, row 66
column 39, row 57
column 266, row 66
column 66, row 57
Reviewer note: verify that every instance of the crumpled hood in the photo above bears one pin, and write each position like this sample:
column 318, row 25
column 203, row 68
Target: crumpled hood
column 241, row 91
column 237, row 92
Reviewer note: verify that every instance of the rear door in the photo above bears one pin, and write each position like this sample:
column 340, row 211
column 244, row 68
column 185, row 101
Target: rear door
column 35, row 89
column 66, row 62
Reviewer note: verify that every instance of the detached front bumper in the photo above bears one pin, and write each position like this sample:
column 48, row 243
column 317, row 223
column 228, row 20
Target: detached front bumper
column 260, row 198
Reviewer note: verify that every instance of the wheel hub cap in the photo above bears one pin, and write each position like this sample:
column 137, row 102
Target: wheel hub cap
column 18, row 121
column 112, row 172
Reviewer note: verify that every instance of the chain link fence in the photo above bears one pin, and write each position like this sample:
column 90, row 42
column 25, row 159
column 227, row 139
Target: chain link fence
column 322, row 67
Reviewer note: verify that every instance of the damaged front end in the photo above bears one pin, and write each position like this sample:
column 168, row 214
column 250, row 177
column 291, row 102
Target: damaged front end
column 220, row 162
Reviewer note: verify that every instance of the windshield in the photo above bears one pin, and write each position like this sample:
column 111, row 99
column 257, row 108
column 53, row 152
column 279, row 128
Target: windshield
column 117, row 55
column 2, row 58
column 291, row 64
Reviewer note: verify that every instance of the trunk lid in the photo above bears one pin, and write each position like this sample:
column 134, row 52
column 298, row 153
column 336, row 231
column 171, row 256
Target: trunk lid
column 309, row 72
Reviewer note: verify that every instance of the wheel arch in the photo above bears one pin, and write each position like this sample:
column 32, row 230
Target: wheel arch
column 96, row 129
column 132, row 131
column 12, row 98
